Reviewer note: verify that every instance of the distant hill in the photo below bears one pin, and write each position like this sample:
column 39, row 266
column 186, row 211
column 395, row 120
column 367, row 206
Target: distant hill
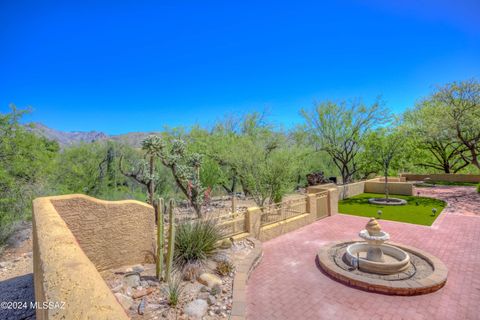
column 66, row 139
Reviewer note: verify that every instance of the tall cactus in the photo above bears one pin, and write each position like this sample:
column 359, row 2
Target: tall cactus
column 171, row 239
column 160, row 239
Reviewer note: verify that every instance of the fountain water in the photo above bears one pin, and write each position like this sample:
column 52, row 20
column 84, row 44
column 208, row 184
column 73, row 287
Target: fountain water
column 375, row 256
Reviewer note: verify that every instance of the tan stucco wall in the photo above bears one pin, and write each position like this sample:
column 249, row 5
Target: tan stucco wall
column 400, row 188
column 276, row 229
column 111, row 233
column 64, row 274
column 451, row 177
column 350, row 190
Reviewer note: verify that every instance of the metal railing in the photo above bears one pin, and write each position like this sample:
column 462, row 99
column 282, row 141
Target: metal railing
column 282, row 211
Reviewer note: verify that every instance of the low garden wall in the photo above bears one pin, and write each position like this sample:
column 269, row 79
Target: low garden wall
column 272, row 221
column 76, row 236
column 393, row 184
column 450, row 177
column 351, row 189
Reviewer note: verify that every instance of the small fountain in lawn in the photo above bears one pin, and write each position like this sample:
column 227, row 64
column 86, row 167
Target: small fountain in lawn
column 388, row 201
column 376, row 266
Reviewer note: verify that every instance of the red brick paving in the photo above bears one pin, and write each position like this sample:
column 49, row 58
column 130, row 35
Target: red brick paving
column 288, row 284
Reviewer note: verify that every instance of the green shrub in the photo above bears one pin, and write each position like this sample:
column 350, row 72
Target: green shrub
column 194, row 242
column 174, row 290
column 478, row 188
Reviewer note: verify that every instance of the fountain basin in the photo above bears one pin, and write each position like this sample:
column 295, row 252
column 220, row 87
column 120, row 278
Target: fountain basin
column 390, row 202
column 425, row 272
column 395, row 259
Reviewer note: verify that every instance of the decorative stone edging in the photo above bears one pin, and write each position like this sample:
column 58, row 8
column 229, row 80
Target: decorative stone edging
column 246, row 266
column 432, row 283
column 390, row 202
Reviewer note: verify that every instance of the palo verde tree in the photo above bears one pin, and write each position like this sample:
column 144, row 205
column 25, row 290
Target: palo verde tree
column 26, row 163
column 340, row 128
column 384, row 147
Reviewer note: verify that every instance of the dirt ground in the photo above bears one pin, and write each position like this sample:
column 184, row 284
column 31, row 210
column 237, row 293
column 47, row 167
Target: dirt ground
column 16, row 275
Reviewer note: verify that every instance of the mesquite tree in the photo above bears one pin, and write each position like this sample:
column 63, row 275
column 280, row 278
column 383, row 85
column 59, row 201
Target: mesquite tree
column 339, row 130
column 442, row 149
column 458, row 111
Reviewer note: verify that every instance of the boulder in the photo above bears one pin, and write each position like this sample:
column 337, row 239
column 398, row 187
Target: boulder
column 196, row 309
column 209, row 280
column 124, row 300
column 131, row 280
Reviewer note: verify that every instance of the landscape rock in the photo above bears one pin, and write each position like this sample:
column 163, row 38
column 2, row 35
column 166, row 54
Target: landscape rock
column 210, row 280
column 226, row 244
column 141, row 307
column 216, row 290
column 3, row 265
column 211, row 300
column 124, row 300
column 117, row 288
column 138, row 268
column 143, row 292
column 221, row 257
column 131, row 280
column 196, row 309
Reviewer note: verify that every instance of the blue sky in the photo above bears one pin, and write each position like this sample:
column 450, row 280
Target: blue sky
column 120, row 67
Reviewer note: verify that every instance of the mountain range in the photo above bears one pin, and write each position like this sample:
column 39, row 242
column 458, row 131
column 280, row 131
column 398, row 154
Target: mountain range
column 66, row 139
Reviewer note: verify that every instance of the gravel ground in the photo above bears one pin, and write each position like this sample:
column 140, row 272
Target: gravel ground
column 16, row 277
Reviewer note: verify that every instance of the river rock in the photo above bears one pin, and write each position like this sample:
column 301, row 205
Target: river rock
column 210, row 280
column 131, row 280
column 196, row 309
column 124, row 300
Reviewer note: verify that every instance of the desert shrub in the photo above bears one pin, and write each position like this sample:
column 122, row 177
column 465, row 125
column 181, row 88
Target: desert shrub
column 194, row 242
column 174, row 290
column 225, row 267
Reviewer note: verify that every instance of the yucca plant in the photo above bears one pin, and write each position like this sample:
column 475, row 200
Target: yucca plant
column 195, row 241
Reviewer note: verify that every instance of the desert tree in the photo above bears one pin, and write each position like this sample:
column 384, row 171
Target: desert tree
column 441, row 149
column 457, row 109
column 384, row 147
column 339, row 129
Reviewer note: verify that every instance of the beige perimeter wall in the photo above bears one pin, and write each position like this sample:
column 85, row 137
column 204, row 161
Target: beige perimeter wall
column 63, row 270
column 450, row 177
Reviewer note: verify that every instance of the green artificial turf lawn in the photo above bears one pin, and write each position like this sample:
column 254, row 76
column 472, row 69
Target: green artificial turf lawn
column 411, row 213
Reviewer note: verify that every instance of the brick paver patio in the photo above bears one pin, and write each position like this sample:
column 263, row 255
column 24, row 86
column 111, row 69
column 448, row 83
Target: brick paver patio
column 289, row 285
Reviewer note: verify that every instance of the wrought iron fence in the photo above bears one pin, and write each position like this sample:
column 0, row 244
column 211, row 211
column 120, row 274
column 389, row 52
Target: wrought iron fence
column 282, row 211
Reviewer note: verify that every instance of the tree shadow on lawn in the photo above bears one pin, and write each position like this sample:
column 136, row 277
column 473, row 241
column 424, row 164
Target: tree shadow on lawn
column 18, row 290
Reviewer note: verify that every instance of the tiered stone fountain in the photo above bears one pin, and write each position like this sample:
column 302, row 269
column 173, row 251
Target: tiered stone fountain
column 375, row 256
column 376, row 266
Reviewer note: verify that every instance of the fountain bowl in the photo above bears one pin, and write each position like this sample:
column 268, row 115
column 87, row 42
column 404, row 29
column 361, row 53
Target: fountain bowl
column 389, row 202
column 396, row 260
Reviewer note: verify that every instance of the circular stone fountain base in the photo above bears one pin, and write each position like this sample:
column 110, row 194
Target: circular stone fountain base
column 389, row 202
column 425, row 273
